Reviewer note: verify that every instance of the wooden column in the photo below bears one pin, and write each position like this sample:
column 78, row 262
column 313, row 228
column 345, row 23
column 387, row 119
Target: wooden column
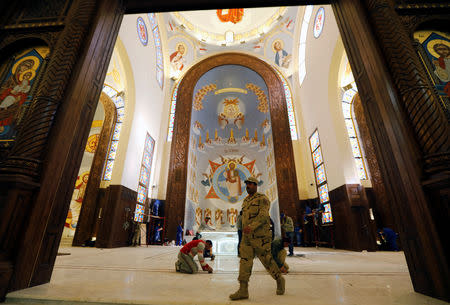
column 382, row 206
column 89, row 207
column 405, row 122
column 51, row 141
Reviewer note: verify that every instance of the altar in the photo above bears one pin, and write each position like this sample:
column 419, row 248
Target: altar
column 224, row 243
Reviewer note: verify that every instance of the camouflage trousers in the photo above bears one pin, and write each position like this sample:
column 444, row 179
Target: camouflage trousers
column 282, row 258
column 261, row 248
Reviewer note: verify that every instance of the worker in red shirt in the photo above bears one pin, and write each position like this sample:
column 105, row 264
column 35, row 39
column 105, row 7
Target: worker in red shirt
column 186, row 263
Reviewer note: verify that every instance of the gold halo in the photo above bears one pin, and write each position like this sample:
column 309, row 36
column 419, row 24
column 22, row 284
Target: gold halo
column 228, row 165
column 432, row 43
column 33, row 58
column 182, row 44
column 273, row 44
column 33, row 74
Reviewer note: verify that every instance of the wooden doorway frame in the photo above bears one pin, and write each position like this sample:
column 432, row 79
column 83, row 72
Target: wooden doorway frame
column 41, row 171
column 284, row 156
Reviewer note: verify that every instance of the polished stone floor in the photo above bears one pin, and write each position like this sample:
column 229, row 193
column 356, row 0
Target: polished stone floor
column 146, row 275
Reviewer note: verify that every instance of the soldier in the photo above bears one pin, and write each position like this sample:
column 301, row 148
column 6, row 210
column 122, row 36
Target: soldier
column 288, row 227
column 256, row 239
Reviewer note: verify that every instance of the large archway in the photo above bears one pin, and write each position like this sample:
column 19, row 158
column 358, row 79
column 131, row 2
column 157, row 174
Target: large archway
column 283, row 153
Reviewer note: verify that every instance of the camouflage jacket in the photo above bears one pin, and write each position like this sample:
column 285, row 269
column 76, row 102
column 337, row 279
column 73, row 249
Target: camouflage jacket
column 255, row 214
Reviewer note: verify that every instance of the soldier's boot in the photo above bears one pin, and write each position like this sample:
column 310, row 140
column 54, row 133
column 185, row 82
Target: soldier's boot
column 242, row 292
column 280, row 285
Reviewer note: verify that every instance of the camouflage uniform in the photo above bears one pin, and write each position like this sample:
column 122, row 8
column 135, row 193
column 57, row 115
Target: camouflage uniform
column 255, row 214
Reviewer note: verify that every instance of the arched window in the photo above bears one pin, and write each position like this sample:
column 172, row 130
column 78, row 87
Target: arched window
column 173, row 104
column 290, row 106
column 158, row 46
column 117, row 98
column 302, row 44
column 352, row 129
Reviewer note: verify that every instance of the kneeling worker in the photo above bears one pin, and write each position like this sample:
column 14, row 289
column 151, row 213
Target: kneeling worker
column 186, row 263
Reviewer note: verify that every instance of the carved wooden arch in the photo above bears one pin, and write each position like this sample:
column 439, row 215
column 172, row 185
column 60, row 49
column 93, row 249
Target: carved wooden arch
column 86, row 221
column 13, row 43
column 284, row 155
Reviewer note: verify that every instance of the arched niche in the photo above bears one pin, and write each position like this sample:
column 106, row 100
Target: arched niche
column 283, row 152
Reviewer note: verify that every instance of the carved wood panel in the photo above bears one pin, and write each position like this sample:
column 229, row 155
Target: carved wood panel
column 383, row 94
column 69, row 92
column 381, row 204
column 284, row 157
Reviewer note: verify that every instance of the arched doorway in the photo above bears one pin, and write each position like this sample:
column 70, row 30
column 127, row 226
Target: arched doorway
column 80, row 223
column 177, row 187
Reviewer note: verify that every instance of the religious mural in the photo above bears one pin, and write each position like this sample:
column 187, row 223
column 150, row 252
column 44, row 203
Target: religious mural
column 142, row 31
column 18, row 80
column 435, row 53
column 231, row 140
column 181, row 54
column 268, row 32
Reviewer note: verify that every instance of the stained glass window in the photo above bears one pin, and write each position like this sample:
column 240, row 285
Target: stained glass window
column 289, row 105
column 120, row 114
column 118, row 101
column 346, row 109
column 117, row 130
column 347, row 100
column 172, row 112
column 319, row 22
column 113, row 150
column 323, row 193
column 144, row 177
column 146, row 159
column 138, row 217
column 108, row 169
column 158, row 46
column 153, row 22
column 350, row 128
column 141, row 194
column 320, row 174
column 321, row 177
column 360, row 168
column 326, row 215
column 314, row 141
column 117, row 98
column 317, row 157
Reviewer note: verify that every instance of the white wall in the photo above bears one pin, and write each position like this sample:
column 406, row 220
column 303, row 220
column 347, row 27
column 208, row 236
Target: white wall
column 148, row 103
column 318, row 106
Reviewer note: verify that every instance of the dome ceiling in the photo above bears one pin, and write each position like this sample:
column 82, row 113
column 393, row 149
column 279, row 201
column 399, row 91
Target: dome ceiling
column 229, row 26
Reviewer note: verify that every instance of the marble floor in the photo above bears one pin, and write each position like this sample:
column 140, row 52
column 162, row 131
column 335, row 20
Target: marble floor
column 146, row 275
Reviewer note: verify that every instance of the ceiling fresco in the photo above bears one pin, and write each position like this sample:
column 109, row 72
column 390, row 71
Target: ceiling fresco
column 266, row 32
